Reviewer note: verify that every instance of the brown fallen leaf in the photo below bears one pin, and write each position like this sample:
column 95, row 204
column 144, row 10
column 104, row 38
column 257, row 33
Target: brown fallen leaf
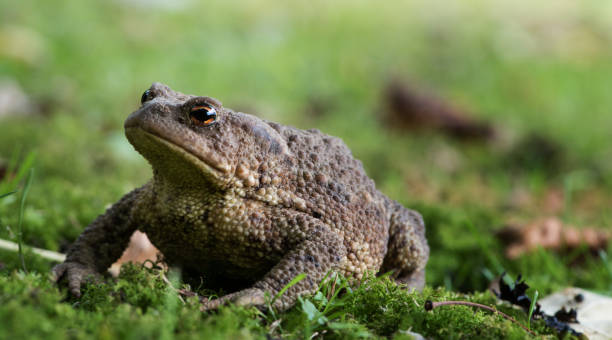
column 550, row 233
column 139, row 250
column 411, row 108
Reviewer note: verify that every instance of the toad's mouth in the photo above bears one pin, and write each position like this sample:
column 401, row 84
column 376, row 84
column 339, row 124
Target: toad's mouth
column 159, row 151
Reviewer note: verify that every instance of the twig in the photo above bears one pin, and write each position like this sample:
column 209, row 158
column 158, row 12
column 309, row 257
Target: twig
column 46, row 254
column 429, row 305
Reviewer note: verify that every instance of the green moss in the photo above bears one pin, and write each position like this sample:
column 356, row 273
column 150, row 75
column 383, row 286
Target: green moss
column 132, row 307
column 379, row 307
column 387, row 309
column 139, row 304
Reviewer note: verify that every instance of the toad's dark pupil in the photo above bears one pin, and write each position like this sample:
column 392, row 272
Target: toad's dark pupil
column 146, row 96
column 203, row 115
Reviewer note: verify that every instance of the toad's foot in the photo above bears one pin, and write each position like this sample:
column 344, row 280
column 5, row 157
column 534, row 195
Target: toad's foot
column 247, row 298
column 76, row 274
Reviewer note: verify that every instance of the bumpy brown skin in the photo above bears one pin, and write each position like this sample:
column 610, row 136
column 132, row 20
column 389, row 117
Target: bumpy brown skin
column 249, row 204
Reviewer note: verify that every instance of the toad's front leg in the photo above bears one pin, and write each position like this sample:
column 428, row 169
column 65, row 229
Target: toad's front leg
column 101, row 244
column 315, row 250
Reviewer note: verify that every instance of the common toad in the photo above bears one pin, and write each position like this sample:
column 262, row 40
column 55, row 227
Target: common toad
column 249, row 204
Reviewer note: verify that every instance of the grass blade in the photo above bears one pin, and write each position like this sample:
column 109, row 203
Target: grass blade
column 531, row 308
column 7, row 194
column 24, row 195
column 18, row 173
column 292, row 283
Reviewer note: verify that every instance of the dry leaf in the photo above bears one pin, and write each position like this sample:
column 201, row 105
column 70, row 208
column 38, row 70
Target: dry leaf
column 409, row 108
column 139, row 250
column 550, row 233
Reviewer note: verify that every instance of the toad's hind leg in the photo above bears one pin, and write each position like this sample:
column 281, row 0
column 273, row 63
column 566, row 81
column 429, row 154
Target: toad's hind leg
column 407, row 250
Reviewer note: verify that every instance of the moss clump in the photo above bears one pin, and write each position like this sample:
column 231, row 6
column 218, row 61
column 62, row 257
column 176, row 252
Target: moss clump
column 136, row 306
column 381, row 308
column 388, row 309
column 137, row 286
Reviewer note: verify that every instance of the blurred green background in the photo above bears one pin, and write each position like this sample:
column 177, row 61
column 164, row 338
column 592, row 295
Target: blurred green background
column 71, row 71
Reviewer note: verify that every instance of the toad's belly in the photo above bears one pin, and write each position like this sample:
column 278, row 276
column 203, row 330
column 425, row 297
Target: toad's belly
column 197, row 248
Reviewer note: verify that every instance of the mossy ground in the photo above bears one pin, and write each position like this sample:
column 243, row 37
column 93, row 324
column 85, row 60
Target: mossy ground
column 526, row 67
column 140, row 304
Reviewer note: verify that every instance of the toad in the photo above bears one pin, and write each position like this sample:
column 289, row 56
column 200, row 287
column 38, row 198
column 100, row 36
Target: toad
column 247, row 204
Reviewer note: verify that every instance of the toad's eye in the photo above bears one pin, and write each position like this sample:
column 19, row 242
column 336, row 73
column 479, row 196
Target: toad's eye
column 146, row 96
column 203, row 115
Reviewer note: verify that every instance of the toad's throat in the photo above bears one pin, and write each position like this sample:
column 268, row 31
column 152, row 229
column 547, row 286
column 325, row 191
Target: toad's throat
column 147, row 141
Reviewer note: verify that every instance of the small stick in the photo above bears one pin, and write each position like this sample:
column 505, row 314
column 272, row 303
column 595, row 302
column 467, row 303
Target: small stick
column 429, row 305
column 46, row 254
